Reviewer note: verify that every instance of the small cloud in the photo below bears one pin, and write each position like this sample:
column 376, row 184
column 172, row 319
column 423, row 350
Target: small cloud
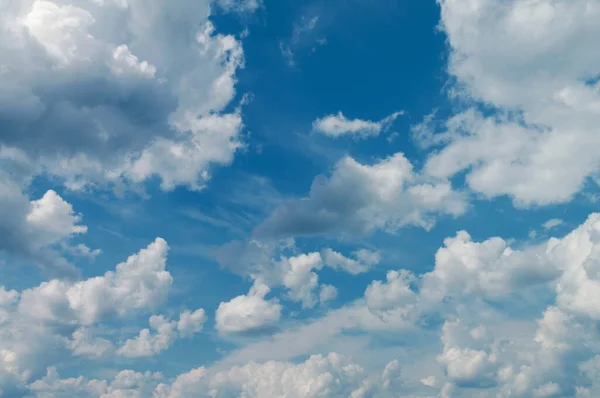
column 338, row 125
column 240, row 6
column 553, row 223
column 429, row 381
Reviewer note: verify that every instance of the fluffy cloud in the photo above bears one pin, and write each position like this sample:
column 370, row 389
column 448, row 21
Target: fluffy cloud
column 299, row 278
column 147, row 344
column 84, row 343
column 365, row 259
column 336, row 126
column 165, row 333
column 272, row 265
column 359, row 198
column 489, row 269
column 45, row 325
column 96, row 105
column 191, row 322
column 126, row 383
column 39, row 229
column 320, row 375
column 395, row 292
column 534, row 62
column 552, row 223
column 247, row 313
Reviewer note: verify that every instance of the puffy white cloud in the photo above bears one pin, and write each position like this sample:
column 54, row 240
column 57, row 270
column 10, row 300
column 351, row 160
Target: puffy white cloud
column 114, row 90
column 191, row 322
column 578, row 256
column 147, row 344
column 359, row 198
column 394, row 293
column 52, row 219
column 534, row 62
column 248, row 313
column 50, row 324
column 39, row 230
column 488, row 269
column 126, row 383
column 364, row 261
column 298, row 276
column 336, row 126
column 466, row 364
column 320, row 375
column 141, row 282
column 327, row 293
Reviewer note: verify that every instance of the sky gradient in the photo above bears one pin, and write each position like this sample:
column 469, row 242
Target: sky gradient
column 315, row 198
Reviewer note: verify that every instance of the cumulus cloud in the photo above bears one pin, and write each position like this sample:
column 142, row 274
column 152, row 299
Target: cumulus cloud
column 39, row 229
column 338, row 125
column 364, row 261
column 394, row 292
column 147, row 344
column 57, row 320
column 162, row 334
column 279, row 265
column 84, row 343
column 358, row 199
column 552, row 223
column 96, row 106
column 248, row 313
column 537, row 147
column 320, row 375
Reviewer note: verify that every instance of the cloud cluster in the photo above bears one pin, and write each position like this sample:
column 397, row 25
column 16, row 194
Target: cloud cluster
column 45, row 325
column 147, row 344
column 99, row 104
column 534, row 63
column 318, row 376
column 359, row 198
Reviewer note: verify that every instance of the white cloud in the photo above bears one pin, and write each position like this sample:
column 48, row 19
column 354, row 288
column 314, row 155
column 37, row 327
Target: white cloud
column 126, row 383
column 191, row 322
column 466, row 366
column 59, row 320
column 338, row 125
column 72, row 71
column 298, row 276
column 395, row 292
column 327, row 293
column 532, row 61
column 40, row 229
column 147, row 344
column 83, row 343
column 247, row 313
column 162, row 334
column 141, row 282
column 488, row 269
column 365, row 260
column 552, row 223
column 359, row 198
column 318, row 376
column 51, row 219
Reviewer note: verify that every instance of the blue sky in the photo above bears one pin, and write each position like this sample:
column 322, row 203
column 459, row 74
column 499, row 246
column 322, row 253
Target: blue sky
column 246, row 198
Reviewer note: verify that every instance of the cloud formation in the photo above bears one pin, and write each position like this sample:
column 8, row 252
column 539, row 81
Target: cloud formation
column 338, row 125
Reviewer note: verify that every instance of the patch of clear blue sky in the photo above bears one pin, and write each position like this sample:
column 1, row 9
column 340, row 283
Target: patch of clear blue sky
column 379, row 57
